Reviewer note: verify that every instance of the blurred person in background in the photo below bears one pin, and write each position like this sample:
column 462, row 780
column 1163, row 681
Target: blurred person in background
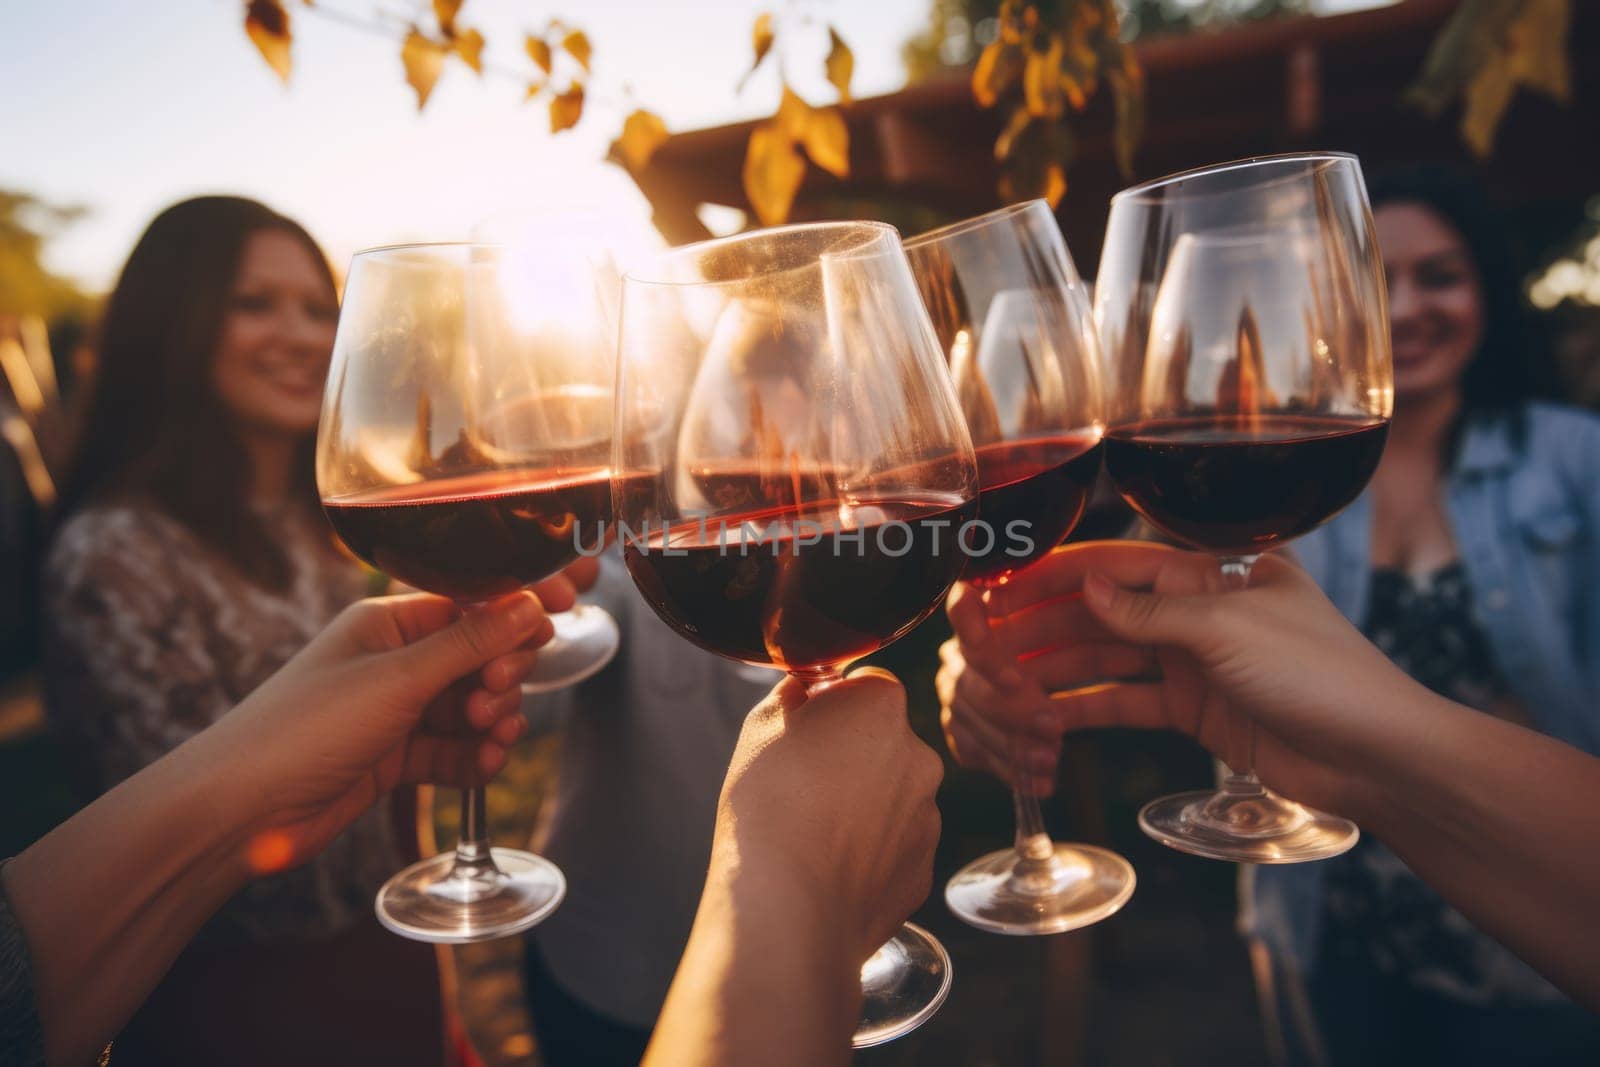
column 1473, row 562
column 192, row 561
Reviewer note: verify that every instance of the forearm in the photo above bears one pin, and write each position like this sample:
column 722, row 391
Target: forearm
column 109, row 898
column 764, row 979
column 1504, row 823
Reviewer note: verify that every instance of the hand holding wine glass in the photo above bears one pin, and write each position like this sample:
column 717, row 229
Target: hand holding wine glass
column 793, row 476
column 1242, row 312
column 1013, row 317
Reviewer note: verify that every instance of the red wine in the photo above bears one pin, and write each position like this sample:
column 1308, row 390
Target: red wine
column 802, row 588
column 477, row 536
column 1032, row 494
column 1241, row 484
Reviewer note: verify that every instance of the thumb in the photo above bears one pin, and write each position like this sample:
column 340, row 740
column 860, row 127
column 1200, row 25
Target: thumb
column 1148, row 618
column 486, row 631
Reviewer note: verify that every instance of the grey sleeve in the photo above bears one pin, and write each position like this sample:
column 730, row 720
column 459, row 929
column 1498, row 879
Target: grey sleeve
column 21, row 1039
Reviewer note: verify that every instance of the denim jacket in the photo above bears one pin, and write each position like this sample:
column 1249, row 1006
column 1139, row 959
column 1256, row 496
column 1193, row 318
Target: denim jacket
column 1527, row 525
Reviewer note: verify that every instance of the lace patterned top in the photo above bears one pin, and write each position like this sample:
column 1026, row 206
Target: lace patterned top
column 1377, row 910
column 21, row 1040
column 150, row 637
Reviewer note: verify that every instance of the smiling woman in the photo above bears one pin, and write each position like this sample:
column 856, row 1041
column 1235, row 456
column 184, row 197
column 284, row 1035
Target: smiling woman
column 193, row 562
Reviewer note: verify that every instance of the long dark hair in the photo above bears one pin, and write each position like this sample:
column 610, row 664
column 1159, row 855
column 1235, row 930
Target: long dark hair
column 154, row 426
column 1511, row 364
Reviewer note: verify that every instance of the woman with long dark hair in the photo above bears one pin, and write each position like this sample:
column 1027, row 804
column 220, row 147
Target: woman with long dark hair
column 191, row 563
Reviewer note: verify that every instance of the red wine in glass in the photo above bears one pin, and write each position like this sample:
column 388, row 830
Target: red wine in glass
column 477, row 536
column 804, row 587
column 1031, row 495
column 1243, row 484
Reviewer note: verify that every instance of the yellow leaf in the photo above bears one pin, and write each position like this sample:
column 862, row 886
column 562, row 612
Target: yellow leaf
column 840, row 64
column 998, row 67
column 267, row 23
column 576, row 45
column 423, row 60
column 761, row 38
column 773, row 171
column 1538, row 40
column 539, row 52
column 1055, row 183
column 566, row 108
column 1484, row 103
column 1003, row 145
column 1014, row 21
column 821, row 131
column 469, row 46
column 535, row 88
column 446, row 11
column 642, row 133
column 1041, row 81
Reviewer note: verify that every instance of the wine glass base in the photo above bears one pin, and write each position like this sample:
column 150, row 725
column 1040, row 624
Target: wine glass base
column 423, row 902
column 902, row 985
column 586, row 640
column 1180, row 821
column 1077, row 886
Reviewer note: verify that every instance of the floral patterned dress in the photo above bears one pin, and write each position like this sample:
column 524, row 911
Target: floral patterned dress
column 150, row 637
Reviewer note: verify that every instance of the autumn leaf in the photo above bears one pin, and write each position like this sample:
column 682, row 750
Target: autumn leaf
column 773, row 171
column 566, row 108
column 535, row 88
column 539, row 52
column 468, row 45
column 642, row 133
column 1037, row 165
column 1055, row 184
column 761, row 38
column 576, row 45
column 840, row 64
column 446, row 11
column 1484, row 103
column 1003, row 145
column 423, row 59
column 998, row 67
column 821, row 131
column 1539, row 48
column 1041, row 81
column 267, row 23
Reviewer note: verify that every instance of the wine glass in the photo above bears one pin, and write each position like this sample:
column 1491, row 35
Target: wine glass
column 1242, row 312
column 1013, row 318
column 792, row 476
column 465, row 451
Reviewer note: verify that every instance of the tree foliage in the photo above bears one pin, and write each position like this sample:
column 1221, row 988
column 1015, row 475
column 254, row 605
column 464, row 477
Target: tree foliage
column 27, row 286
column 1489, row 49
column 774, row 166
column 1036, row 69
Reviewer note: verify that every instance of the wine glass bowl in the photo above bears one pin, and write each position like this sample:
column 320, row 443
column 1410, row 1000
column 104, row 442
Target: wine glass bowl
column 1245, row 324
column 792, row 474
column 1013, row 320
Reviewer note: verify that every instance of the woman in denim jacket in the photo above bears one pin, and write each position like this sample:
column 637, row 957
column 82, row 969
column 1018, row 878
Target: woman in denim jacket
column 1473, row 560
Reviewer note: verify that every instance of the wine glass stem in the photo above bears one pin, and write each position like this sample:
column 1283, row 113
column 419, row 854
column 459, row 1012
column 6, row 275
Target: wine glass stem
column 1241, row 779
column 474, row 861
column 1033, row 845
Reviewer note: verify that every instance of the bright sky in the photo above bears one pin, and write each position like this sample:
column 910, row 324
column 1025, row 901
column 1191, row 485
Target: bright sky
column 128, row 107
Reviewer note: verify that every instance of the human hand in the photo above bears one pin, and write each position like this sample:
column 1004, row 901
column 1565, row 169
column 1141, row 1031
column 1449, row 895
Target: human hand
column 828, row 813
column 398, row 689
column 1277, row 654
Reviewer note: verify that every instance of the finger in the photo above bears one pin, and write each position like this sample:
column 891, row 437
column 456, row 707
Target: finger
column 1051, row 624
column 557, row 593
column 1150, row 618
column 583, row 572
column 1061, row 573
column 484, row 633
column 1084, row 664
column 509, row 728
column 508, row 671
column 969, row 617
column 485, row 709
